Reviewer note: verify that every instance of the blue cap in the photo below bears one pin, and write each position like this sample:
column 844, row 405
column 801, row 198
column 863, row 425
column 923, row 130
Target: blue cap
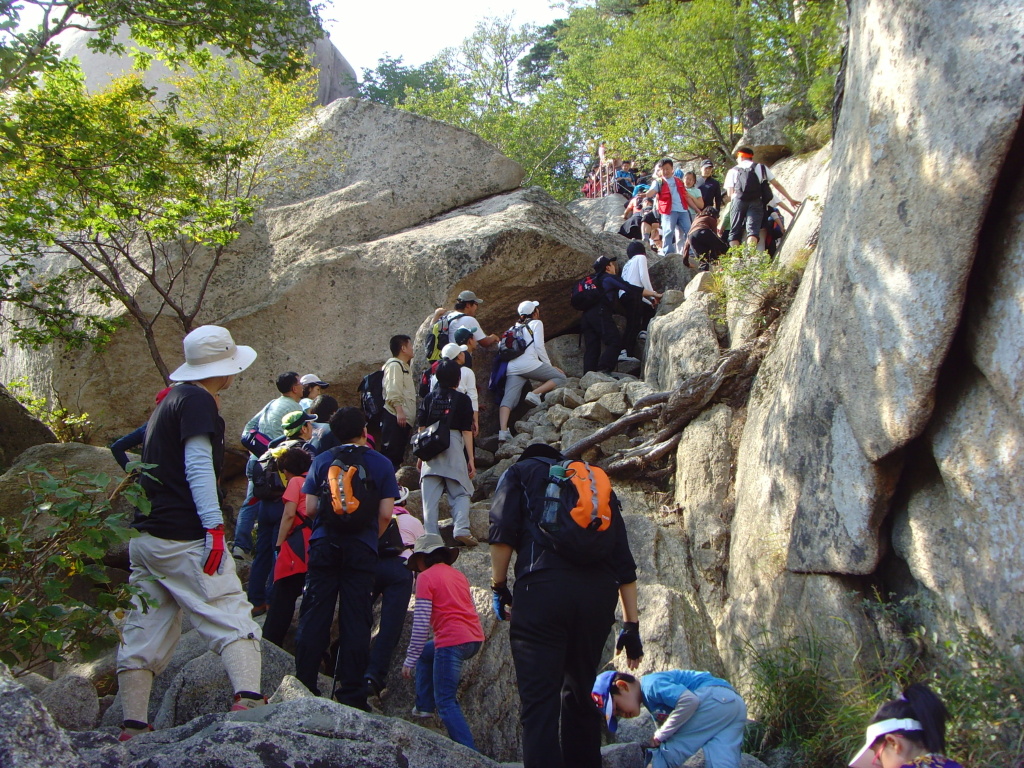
column 602, row 696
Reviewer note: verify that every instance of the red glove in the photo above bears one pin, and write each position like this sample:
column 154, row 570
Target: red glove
column 214, row 550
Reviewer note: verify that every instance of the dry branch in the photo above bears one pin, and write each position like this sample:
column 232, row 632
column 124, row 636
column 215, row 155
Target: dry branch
column 615, row 428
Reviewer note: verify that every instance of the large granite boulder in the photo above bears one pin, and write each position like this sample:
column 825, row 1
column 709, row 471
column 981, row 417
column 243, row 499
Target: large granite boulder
column 19, row 429
column 768, row 138
column 336, row 80
column 29, row 737
column 681, row 343
column 601, row 214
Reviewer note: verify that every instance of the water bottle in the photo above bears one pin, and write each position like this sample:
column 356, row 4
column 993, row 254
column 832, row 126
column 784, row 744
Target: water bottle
column 552, row 498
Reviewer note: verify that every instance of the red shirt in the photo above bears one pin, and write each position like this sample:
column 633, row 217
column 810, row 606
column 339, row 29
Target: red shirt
column 453, row 617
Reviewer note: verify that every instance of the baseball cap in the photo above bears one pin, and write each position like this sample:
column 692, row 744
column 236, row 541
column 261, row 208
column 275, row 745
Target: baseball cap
column 707, row 164
column 451, row 351
column 462, row 335
column 470, row 296
column 528, row 307
column 312, row 378
column 604, row 261
column 293, row 421
column 602, row 696
column 864, row 758
column 210, row 351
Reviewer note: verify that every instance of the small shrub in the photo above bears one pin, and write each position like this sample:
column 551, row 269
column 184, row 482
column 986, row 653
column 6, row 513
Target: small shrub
column 66, row 426
column 751, row 283
column 59, row 539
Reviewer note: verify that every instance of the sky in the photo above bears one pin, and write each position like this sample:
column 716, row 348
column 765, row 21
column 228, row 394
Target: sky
column 416, row 30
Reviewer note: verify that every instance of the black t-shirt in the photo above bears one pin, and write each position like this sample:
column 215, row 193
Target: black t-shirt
column 187, row 411
column 458, row 405
column 711, row 191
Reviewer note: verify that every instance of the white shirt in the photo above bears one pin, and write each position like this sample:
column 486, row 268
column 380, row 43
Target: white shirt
column 464, row 322
column 635, row 272
column 467, row 386
column 535, row 354
column 762, row 171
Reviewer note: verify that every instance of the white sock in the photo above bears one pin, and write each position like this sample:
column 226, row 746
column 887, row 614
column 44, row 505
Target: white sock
column 243, row 660
column 135, row 685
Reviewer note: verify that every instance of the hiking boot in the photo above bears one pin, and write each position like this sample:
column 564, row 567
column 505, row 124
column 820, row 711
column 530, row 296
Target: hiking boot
column 374, row 687
column 504, row 435
column 240, row 554
column 259, row 610
column 247, row 700
column 130, row 728
column 533, row 397
column 467, row 540
column 421, row 714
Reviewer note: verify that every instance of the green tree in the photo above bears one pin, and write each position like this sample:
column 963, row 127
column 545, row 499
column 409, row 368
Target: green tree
column 134, row 195
column 272, row 33
column 388, row 82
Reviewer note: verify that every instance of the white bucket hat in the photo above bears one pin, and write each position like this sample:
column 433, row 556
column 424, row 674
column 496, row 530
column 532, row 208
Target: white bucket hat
column 210, row 351
column 864, row 758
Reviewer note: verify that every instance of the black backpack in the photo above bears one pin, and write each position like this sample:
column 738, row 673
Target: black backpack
column 581, row 525
column 438, row 335
column 390, row 544
column 586, row 294
column 429, row 371
column 751, row 188
column 267, row 483
column 371, row 396
column 349, row 498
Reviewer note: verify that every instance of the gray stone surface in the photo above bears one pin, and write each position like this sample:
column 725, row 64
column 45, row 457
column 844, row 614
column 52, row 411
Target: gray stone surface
column 768, row 138
column 680, row 344
column 599, row 389
column 72, row 702
column 290, row 689
column 18, row 429
column 601, row 214
column 29, row 737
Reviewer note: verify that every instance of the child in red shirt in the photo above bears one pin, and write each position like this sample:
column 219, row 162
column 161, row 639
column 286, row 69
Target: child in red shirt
column 292, row 546
column 443, row 602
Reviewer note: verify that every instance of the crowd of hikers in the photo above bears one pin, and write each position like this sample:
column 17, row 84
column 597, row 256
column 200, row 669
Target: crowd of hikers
column 333, row 536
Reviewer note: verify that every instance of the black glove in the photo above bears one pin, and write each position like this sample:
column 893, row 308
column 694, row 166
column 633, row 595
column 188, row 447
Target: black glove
column 629, row 638
column 501, row 598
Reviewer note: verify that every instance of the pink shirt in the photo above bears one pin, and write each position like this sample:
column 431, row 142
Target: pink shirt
column 453, row 618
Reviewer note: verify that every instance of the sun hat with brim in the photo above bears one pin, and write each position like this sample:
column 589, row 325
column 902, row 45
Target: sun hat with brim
column 601, row 693
column 293, row 421
column 865, row 758
column 210, row 351
column 431, row 542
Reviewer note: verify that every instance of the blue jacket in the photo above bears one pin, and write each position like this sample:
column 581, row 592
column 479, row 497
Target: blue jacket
column 661, row 690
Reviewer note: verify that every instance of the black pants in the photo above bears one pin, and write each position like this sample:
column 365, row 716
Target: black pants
column 560, row 622
column 282, row 607
column 394, row 438
column 638, row 315
column 393, row 584
column 598, row 327
column 339, row 567
column 708, row 246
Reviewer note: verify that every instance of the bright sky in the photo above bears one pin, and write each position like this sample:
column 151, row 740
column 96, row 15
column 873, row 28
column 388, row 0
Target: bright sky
column 417, row 30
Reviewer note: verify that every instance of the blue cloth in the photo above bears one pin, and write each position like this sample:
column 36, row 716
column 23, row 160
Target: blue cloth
column 393, row 584
column 438, row 672
column 661, row 690
column 716, row 727
column 674, row 228
column 132, row 440
column 244, row 524
column 261, row 575
column 380, row 471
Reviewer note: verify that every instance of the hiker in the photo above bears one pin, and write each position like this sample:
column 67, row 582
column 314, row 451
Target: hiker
column 638, row 309
column 291, row 544
column 467, row 379
column 533, row 365
column 443, row 603
column 268, row 423
column 467, row 306
column 597, row 325
column 703, row 245
column 399, row 400
column 709, row 186
column 178, row 559
column 625, row 179
column 297, row 431
column 312, row 388
column 673, row 205
column 342, row 559
column 907, row 732
column 695, row 200
column 563, row 606
column 745, row 185
column 694, row 711
column 633, row 217
column 323, row 408
column 134, row 439
column 452, row 470
column 392, row 583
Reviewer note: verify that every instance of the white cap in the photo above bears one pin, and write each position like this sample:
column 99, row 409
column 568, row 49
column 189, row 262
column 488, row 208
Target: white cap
column 864, row 758
column 451, row 351
column 312, row 378
column 210, row 351
column 528, row 307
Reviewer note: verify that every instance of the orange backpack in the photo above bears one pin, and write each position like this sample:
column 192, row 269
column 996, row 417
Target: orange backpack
column 349, row 500
column 577, row 512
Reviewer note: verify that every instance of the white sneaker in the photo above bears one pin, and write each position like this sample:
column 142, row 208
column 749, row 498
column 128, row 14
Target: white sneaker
column 504, row 435
column 421, row 714
column 624, row 358
column 642, row 335
column 533, row 397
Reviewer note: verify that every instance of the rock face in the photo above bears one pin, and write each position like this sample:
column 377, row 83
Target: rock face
column 337, row 78
column 19, row 429
column 768, row 138
column 29, row 737
column 600, row 214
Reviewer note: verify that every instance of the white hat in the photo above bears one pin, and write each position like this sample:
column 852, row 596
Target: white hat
column 312, row 378
column 864, row 758
column 451, row 351
column 528, row 307
column 210, row 351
